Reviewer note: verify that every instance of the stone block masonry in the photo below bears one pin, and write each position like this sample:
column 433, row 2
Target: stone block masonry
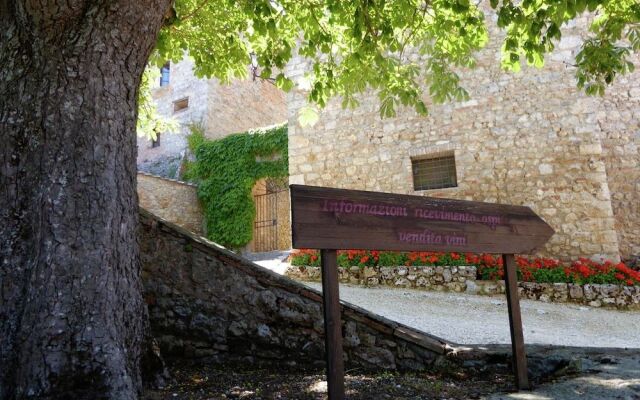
column 208, row 304
column 219, row 109
column 463, row 279
column 528, row 138
column 425, row 278
column 172, row 200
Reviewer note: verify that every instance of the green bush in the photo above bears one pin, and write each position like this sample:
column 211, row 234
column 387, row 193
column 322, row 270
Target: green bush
column 392, row 258
column 226, row 171
column 488, row 266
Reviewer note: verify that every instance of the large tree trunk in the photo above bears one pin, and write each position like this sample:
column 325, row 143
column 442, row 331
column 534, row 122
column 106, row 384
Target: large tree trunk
column 71, row 309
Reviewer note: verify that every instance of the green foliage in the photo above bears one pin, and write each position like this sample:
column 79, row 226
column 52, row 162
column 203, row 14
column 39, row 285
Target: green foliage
column 534, row 26
column 150, row 123
column 392, row 258
column 488, row 266
column 552, row 275
column 352, row 46
column 359, row 45
column 304, row 258
column 226, row 170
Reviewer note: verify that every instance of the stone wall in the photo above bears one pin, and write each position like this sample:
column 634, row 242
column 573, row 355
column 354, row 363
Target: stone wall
column 463, row 279
column 425, row 278
column 614, row 296
column 220, row 109
column 242, row 106
column 528, row 138
column 206, row 303
column 619, row 119
column 165, row 159
column 172, row 200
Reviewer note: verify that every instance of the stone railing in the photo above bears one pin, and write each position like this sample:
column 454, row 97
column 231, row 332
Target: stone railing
column 463, row 279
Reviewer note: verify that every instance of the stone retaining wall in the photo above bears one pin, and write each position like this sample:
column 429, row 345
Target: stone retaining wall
column 463, row 279
column 622, row 297
column 173, row 200
column 427, row 278
column 207, row 303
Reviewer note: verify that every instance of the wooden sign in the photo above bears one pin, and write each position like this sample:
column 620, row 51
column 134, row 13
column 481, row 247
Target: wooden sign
column 332, row 219
column 327, row 218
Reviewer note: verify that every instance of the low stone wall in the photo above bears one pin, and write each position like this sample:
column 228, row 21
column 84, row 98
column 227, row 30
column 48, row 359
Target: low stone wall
column 622, row 297
column 463, row 279
column 173, row 200
column 427, row 278
column 207, row 303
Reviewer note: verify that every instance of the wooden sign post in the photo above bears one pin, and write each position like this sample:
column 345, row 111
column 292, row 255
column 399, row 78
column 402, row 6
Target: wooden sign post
column 331, row 219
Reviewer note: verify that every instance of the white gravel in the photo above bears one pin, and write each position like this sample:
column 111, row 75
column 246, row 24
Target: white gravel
column 473, row 319
column 275, row 260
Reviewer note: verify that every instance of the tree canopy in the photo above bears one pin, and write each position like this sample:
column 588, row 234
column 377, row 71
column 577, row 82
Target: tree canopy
column 355, row 45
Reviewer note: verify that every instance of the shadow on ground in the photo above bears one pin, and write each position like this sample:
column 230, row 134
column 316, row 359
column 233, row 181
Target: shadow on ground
column 483, row 372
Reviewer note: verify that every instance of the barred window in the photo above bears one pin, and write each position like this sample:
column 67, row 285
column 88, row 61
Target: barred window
column 434, row 172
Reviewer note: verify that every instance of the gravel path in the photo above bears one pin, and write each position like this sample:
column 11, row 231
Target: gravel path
column 275, row 260
column 473, row 319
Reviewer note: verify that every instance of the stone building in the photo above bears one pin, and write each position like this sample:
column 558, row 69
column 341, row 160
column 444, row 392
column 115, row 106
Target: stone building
column 529, row 138
column 218, row 109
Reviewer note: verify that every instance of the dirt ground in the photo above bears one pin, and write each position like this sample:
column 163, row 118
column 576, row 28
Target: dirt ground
column 558, row 373
column 217, row 382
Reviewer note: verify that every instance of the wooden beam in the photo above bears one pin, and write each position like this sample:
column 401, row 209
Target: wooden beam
column 515, row 322
column 332, row 325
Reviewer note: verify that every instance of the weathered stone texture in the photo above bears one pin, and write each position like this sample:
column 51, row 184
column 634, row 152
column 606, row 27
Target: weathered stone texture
column 206, row 303
column 423, row 278
column 616, row 296
column 619, row 118
column 218, row 108
column 529, row 138
column 463, row 279
column 172, row 200
column 242, row 106
column 182, row 84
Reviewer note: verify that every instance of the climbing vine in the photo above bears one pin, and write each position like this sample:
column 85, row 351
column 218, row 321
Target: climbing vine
column 226, row 170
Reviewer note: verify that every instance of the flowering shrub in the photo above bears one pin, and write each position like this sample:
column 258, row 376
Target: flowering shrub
column 489, row 267
column 305, row 257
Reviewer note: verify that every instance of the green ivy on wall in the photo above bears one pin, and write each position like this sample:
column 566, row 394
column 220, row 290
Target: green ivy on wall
column 226, row 170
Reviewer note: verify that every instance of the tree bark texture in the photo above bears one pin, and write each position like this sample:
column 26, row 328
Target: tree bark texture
column 71, row 309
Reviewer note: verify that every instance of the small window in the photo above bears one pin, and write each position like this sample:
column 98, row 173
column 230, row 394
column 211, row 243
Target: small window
column 434, row 172
column 164, row 74
column 156, row 142
column 180, row 105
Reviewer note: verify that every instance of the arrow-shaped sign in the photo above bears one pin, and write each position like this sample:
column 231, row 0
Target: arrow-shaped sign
column 327, row 218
